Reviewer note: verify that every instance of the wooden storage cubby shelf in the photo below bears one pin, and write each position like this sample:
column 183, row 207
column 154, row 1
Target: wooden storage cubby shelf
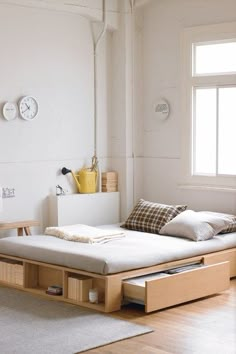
column 78, row 286
column 37, row 276
column 85, row 282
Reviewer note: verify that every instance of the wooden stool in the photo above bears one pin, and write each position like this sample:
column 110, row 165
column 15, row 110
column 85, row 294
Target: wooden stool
column 21, row 226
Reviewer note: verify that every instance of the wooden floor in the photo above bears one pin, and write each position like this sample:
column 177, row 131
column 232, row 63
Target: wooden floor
column 206, row 326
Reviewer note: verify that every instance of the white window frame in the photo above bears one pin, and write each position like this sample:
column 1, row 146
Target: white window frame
column 195, row 35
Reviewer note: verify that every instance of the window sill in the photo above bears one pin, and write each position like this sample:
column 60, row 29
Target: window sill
column 208, row 188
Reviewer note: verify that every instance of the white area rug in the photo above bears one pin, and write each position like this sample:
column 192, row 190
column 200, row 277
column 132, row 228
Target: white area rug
column 30, row 324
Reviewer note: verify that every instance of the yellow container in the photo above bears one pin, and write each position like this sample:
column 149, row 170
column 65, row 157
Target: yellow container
column 86, row 180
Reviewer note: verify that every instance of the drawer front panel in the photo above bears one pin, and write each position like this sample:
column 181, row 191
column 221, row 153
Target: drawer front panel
column 186, row 286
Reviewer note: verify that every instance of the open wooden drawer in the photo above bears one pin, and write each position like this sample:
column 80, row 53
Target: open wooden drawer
column 162, row 290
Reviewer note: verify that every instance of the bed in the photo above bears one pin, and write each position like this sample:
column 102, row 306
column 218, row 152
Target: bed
column 114, row 265
column 156, row 262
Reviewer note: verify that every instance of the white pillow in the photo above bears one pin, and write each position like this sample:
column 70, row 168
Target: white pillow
column 196, row 226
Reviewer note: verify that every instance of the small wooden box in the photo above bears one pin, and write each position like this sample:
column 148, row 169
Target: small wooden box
column 109, row 181
column 78, row 287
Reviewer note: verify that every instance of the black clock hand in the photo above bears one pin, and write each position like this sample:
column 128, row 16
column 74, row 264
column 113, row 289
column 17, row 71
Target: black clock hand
column 28, row 107
column 25, row 110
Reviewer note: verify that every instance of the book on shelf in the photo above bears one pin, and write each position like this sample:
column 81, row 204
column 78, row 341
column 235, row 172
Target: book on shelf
column 53, row 293
column 54, row 290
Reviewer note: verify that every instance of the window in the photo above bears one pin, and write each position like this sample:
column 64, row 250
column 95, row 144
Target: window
column 214, row 58
column 214, row 131
column 210, row 100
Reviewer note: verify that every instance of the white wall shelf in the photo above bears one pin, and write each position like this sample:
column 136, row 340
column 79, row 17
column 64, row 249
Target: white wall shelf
column 90, row 209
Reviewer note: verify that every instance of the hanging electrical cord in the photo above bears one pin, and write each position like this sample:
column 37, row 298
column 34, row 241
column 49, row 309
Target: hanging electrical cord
column 132, row 6
column 96, row 42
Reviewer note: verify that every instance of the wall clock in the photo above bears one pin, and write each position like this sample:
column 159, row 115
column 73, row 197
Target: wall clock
column 28, row 107
column 9, row 111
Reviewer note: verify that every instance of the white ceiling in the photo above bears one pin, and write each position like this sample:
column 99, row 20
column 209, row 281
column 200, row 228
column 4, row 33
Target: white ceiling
column 77, row 5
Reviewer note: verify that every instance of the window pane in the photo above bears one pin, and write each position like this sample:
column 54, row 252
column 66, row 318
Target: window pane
column 227, row 131
column 215, row 58
column 205, row 132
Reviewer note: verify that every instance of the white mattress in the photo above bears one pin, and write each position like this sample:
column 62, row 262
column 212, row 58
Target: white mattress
column 136, row 250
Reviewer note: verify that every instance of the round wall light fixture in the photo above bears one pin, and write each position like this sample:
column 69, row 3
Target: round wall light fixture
column 162, row 109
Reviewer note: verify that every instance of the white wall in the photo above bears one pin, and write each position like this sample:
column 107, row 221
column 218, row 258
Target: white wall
column 49, row 55
column 163, row 22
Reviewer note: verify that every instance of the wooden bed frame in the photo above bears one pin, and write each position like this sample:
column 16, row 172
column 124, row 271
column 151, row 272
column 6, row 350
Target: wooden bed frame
column 212, row 277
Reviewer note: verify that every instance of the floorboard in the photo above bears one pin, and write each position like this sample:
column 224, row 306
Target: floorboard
column 205, row 326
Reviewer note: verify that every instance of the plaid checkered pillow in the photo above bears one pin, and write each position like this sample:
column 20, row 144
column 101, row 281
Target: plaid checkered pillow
column 231, row 227
column 151, row 217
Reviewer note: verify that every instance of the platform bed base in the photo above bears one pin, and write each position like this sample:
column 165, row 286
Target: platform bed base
column 160, row 290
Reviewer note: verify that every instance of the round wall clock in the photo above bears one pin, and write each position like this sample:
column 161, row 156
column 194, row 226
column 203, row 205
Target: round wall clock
column 9, row 111
column 28, row 107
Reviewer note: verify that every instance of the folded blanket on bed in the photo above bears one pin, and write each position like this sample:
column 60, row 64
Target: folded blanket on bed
column 84, row 233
